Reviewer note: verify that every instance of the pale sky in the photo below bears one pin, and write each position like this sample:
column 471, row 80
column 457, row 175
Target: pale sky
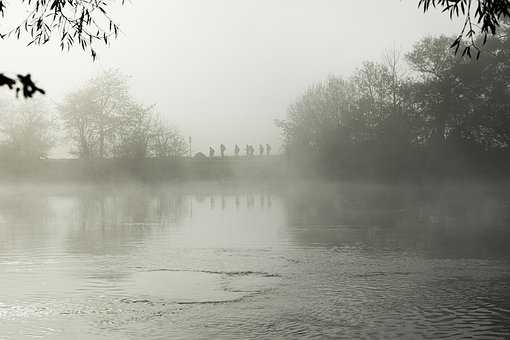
column 223, row 70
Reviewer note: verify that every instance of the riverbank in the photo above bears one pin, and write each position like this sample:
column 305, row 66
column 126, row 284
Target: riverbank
column 151, row 169
column 266, row 168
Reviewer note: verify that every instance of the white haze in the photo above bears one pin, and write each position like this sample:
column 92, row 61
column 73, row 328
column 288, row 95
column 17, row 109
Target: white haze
column 223, row 70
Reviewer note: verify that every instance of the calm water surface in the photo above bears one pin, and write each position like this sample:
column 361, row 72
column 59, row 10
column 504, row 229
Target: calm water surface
column 222, row 260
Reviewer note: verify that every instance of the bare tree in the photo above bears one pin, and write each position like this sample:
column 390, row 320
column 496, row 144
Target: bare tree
column 136, row 133
column 28, row 131
column 94, row 114
column 77, row 113
column 167, row 141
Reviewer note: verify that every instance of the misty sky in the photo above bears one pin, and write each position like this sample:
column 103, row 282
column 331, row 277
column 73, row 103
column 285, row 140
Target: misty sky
column 223, row 70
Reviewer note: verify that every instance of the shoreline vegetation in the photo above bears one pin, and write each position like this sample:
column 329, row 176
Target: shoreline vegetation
column 147, row 169
column 278, row 168
column 427, row 113
column 421, row 117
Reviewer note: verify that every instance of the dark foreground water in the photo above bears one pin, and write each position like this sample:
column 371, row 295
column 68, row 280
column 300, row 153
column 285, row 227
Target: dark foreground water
column 211, row 260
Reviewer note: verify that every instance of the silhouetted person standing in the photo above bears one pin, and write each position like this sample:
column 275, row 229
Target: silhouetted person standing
column 211, row 152
column 222, row 150
column 236, row 150
column 247, row 150
column 268, row 149
column 261, row 150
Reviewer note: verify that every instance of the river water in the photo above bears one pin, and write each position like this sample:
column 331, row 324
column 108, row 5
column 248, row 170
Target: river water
column 206, row 260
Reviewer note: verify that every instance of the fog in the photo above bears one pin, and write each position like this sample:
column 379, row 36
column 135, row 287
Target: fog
column 222, row 71
column 255, row 169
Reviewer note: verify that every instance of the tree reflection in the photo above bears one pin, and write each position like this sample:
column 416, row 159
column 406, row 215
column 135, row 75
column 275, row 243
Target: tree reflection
column 449, row 221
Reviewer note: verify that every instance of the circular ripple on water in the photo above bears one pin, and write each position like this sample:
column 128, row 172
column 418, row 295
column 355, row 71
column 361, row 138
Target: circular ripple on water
column 194, row 286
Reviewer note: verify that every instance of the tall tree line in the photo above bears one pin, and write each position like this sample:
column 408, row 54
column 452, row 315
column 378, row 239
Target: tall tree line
column 429, row 109
column 100, row 120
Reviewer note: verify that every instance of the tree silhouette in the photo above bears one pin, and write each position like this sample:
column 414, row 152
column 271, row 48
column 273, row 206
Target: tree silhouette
column 480, row 17
column 23, row 84
column 73, row 22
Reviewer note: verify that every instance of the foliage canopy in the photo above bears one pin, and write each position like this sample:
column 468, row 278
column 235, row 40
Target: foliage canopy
column 448, row 109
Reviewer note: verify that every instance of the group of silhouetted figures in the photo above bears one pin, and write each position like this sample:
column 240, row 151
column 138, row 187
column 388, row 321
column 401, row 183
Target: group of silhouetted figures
column 249, row 149
column 265, row 202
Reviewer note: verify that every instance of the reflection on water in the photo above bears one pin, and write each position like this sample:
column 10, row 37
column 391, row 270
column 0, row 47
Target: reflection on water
column 202, row 260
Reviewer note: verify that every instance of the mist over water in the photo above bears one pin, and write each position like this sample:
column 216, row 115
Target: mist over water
column 260, row 169
column 254, row 260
